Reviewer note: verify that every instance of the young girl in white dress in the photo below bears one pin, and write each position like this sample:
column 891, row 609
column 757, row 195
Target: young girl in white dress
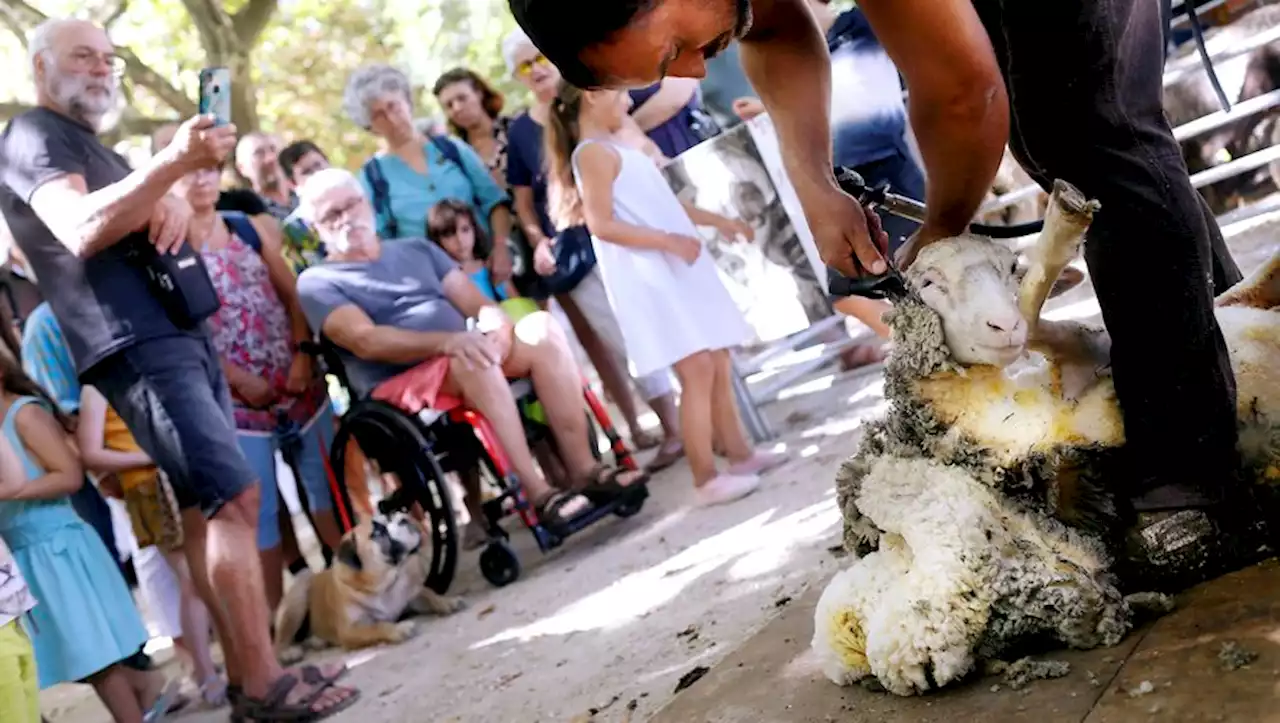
column 670, row 303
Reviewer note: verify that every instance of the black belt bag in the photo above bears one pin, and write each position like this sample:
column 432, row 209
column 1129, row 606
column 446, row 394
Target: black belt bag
column 180, row 282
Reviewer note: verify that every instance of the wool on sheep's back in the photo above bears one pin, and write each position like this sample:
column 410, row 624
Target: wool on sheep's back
column 1020, row 409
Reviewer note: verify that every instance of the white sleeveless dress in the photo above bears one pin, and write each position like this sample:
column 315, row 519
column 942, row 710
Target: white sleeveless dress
column 667, row 309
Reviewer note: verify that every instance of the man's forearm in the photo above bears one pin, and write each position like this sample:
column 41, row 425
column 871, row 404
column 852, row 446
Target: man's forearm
column 106, row 216
column 400, row 346
column 674, row 94
column 958, row 105
column 786, row 60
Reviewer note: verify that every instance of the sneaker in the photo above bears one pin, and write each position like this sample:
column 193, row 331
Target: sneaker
column 758, row 463
column 725, row 488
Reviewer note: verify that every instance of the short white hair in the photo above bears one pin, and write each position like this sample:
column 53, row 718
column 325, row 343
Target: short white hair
column 515, row 41
column 320, row 183
column 43, row 35
column 369, row 83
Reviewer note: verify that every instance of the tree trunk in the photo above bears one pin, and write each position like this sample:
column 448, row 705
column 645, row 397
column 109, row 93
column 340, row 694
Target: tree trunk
column 229, row 41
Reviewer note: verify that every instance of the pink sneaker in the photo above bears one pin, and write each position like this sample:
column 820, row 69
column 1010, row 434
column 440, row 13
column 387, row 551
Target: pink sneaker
column 759, row 463
column 725, row 488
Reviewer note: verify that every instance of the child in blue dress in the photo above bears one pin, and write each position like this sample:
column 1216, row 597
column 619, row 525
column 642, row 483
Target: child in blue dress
column 86, row 622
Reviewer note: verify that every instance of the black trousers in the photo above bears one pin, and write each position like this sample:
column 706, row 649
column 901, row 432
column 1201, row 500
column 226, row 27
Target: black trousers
column 1084, row 81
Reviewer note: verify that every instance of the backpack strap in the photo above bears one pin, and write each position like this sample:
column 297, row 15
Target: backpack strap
column 242, row 226
column 451, row 154
column 382, row 193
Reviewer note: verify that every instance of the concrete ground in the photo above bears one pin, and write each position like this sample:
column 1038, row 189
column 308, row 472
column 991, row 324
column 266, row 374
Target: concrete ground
column 605, row 628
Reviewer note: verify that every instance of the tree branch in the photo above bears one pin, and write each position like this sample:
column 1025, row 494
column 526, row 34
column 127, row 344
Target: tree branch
column 252, row 19
column 116, row 14
column 19, row 15
column 215, row 28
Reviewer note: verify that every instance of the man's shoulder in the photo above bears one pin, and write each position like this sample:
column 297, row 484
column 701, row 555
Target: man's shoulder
column 39, row 125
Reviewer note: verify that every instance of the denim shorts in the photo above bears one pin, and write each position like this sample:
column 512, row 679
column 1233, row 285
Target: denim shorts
column 174, row 398
column 313, row 467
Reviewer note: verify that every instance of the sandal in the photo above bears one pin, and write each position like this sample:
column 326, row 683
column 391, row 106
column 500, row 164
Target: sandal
column 275, row 705
column 315, row 674
column 665, row 458
column 644, row 441
column 602, row 485
column 213, row 691
column 550, row 509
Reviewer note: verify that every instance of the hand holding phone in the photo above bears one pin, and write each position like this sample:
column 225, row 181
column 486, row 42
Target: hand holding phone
column 215, row 95
column 199, row 143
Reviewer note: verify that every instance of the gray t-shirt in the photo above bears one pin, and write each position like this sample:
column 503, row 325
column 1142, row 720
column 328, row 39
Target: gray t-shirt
column 103, row 303
column 402, row 288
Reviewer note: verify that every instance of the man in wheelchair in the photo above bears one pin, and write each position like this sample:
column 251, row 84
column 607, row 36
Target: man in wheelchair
column 398, row 311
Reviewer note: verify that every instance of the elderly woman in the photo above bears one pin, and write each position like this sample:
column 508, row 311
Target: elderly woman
column 416, row 171
column 474, row 110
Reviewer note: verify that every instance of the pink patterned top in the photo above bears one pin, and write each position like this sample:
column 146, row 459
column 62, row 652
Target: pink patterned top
column 252, row 331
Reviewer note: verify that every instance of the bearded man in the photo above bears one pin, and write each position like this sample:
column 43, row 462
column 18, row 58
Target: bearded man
column 84, row 220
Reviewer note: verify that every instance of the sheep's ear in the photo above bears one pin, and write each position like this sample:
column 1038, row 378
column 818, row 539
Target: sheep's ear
column 1065, row 223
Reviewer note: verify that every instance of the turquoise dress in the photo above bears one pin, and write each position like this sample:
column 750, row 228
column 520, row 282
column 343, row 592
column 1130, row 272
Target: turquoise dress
column 85, row 619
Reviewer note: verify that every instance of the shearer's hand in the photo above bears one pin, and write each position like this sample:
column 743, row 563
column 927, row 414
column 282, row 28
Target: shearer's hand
column 843, row 228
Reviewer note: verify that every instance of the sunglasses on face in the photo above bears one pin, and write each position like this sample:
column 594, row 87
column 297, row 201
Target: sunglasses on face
column 525, row 67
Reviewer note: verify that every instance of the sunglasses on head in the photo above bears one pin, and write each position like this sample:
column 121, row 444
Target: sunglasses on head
column 525, row 67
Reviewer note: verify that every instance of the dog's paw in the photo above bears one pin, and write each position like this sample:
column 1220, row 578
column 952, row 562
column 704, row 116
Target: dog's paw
column 448, row 605
column 315, row 644
column 292, row 655
column 404, row 630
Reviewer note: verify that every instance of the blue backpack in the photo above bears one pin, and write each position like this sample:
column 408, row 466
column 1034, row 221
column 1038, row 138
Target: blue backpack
column 241, row 226
column 382, row 190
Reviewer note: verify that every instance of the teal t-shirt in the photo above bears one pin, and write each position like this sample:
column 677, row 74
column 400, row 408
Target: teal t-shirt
column 412, row 194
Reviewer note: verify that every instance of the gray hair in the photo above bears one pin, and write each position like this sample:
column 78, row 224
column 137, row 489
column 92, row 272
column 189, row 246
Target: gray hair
column 515, row 41
column 367, row 84
column 42, row 36
column 320, row 183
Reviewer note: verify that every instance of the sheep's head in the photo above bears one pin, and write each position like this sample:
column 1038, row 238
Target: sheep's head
column 972, row 284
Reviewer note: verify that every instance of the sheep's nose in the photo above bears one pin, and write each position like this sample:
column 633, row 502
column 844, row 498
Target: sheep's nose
column 1003, row 325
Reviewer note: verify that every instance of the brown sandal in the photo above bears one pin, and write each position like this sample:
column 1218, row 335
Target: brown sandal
column 601, row 486
column 665, row 458
column 274, row 706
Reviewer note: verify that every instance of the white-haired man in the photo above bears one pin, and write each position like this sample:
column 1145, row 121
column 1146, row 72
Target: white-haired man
column 83, row 219
column 389, row 307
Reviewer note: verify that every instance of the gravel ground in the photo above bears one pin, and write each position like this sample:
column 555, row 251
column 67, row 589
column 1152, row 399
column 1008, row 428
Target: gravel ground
column 604, row 628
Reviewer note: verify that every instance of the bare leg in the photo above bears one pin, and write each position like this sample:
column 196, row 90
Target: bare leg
column 326, row 526
column 272, row 561
column 612, row 369
column 724, row 411
column 697, row 374
column 195, row 530
column 354, row 476
column 668, row 415
column 117, row 693
column 195, row 622
column 486, row 390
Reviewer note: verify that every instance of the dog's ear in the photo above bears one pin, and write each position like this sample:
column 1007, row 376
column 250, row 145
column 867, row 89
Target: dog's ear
column 349, row 554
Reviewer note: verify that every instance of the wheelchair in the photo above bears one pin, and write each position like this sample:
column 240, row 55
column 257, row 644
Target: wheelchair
column 419, row 449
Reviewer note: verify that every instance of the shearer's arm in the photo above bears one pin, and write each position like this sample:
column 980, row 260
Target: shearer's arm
column 958, row 106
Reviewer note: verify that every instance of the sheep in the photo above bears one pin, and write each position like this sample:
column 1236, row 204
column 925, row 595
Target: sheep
column 976, row 506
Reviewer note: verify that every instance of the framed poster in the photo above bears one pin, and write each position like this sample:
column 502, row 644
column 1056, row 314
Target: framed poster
column 775, row 278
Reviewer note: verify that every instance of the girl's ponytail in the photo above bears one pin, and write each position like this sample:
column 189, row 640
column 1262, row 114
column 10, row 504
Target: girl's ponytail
column 563, row 200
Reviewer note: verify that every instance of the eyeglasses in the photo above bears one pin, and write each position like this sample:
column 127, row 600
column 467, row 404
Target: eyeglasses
column 525, row 67
column 86, row 59
column 331, row 218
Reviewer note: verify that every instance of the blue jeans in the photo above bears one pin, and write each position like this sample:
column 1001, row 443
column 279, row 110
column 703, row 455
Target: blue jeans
column 313, row 462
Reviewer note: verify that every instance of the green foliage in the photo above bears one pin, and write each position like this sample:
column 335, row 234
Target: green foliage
column 301, row 61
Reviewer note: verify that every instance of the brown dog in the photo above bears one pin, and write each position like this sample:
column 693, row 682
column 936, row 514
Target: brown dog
column 377, row 576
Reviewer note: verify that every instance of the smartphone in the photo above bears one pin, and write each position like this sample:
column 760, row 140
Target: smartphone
column 215, row 94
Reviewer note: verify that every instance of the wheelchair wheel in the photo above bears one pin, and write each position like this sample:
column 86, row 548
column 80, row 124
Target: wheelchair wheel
column 394, row 442
column 499, row 564
column 630, row 508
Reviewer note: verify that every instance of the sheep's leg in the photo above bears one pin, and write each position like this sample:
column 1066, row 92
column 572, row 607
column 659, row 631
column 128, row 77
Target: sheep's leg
column 1260, row 290
column 1065, row 223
